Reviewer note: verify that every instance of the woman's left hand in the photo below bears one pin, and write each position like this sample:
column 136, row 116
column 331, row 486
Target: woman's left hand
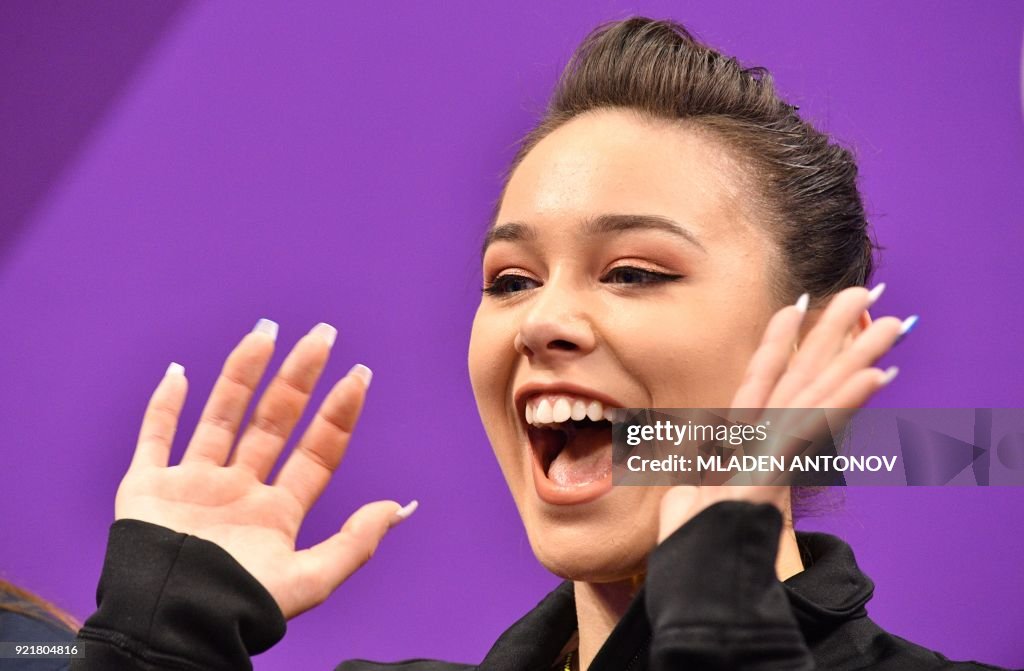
column 833, row 368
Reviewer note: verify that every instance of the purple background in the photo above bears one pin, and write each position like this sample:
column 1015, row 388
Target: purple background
column 170, row 173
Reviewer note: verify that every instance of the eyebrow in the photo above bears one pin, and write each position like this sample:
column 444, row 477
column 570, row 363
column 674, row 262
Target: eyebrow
column 600, row 225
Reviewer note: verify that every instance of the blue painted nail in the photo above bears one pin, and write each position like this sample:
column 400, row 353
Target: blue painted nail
column 906, row 327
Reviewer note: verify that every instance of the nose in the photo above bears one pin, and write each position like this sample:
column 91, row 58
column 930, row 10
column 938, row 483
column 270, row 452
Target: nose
column 555, row 326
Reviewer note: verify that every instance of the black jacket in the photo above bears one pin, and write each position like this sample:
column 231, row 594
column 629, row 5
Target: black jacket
column 171, row 601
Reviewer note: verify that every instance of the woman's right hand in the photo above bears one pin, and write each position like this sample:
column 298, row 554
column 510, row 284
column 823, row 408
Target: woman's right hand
column 221, row 494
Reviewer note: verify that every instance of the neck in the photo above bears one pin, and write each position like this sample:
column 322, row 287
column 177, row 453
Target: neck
column 600, row 606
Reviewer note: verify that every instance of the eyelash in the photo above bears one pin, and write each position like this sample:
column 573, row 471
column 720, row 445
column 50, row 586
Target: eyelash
column 498, row 286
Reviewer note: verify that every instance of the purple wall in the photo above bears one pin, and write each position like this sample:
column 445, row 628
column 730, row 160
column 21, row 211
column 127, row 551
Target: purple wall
column 170, row 173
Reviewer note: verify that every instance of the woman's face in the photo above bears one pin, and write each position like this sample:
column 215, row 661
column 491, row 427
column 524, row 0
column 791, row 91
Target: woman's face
column 623, row 272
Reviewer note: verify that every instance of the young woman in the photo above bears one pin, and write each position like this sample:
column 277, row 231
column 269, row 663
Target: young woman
column 671, row 234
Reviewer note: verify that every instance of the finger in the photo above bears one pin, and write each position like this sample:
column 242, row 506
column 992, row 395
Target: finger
column 284, row 401
column 225, row 408
column 326, row 565
column 772, row 356
column 160, row 420
column 677, row 507
column 310, row 466
column 863, row 352
column 860, row 387
column 821, row 345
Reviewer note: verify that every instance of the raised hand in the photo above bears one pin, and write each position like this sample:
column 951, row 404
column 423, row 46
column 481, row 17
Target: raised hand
column 833, row 368
column 219, row 491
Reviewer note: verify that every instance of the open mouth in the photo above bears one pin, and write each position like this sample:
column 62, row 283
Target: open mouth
column 570, row 433
column 573, row 453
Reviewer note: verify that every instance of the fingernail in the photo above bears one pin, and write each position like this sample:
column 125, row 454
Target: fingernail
column 405, row 511
column 907, row 326
column 875, row 293
column 175, row 369
column 802, row 302
column 326, row 331
column 890, row 374
column 267, row 327
column 364, row 374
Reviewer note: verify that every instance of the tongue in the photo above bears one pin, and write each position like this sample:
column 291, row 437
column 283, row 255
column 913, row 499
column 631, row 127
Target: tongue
column 586, row 458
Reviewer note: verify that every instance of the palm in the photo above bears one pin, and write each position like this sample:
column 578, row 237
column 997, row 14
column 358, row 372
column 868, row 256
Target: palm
column 833, row 369
column 228, row 501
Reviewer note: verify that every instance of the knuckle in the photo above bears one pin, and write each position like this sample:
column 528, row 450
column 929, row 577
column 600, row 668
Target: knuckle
column 364, row 544
column 269, row 425
column 298, row 385
column 319, row 589
column 313, row 588
column 153, row 439
column 234, row 379
column 249, row 353
column 219, row 421
column 164, row 412
column 317, row 458
column 339, row 421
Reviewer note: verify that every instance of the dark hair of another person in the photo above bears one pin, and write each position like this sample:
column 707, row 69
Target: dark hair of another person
column 17, row 600
column 795, row 181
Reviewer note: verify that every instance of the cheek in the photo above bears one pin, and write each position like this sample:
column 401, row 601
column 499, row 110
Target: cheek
column 485, row 344
column 492, row 360
column 687, row 356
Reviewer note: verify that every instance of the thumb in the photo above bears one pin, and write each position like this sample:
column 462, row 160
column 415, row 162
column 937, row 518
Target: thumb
column 677, row 507
column 330, row 562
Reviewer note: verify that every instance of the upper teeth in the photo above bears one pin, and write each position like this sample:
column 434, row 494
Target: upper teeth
column 556, row 408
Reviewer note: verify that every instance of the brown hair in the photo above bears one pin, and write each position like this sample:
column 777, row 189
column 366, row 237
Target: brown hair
column 17, row 600
column 802, row 186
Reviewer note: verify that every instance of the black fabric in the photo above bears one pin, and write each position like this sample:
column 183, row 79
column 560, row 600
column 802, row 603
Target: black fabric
column 171, row 601
column 710, row 601
column 735, row 613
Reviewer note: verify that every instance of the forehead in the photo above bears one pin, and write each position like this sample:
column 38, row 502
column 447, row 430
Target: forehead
column 615, row 161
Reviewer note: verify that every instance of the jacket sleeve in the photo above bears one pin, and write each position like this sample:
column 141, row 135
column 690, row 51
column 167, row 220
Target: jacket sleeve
column 172, row 601
column 714, row 600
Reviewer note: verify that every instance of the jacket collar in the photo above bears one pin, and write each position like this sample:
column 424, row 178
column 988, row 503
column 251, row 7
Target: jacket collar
column 828, row 592
column 535, row 641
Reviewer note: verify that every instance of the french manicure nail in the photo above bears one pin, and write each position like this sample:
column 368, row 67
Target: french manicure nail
column 406, row 511
column 364, row 374
column 802, row 302
column 266, row 326
column 890, row 374
column 907, row 326
column 175, row 369
column 326, row 331
column 875, row 293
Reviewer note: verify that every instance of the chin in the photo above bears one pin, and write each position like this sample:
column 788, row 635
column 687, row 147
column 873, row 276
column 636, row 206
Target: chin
column 592, row 555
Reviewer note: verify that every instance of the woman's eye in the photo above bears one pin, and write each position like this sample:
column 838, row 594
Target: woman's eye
column 632, row 275
column 504, row 285
column 511, row 283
